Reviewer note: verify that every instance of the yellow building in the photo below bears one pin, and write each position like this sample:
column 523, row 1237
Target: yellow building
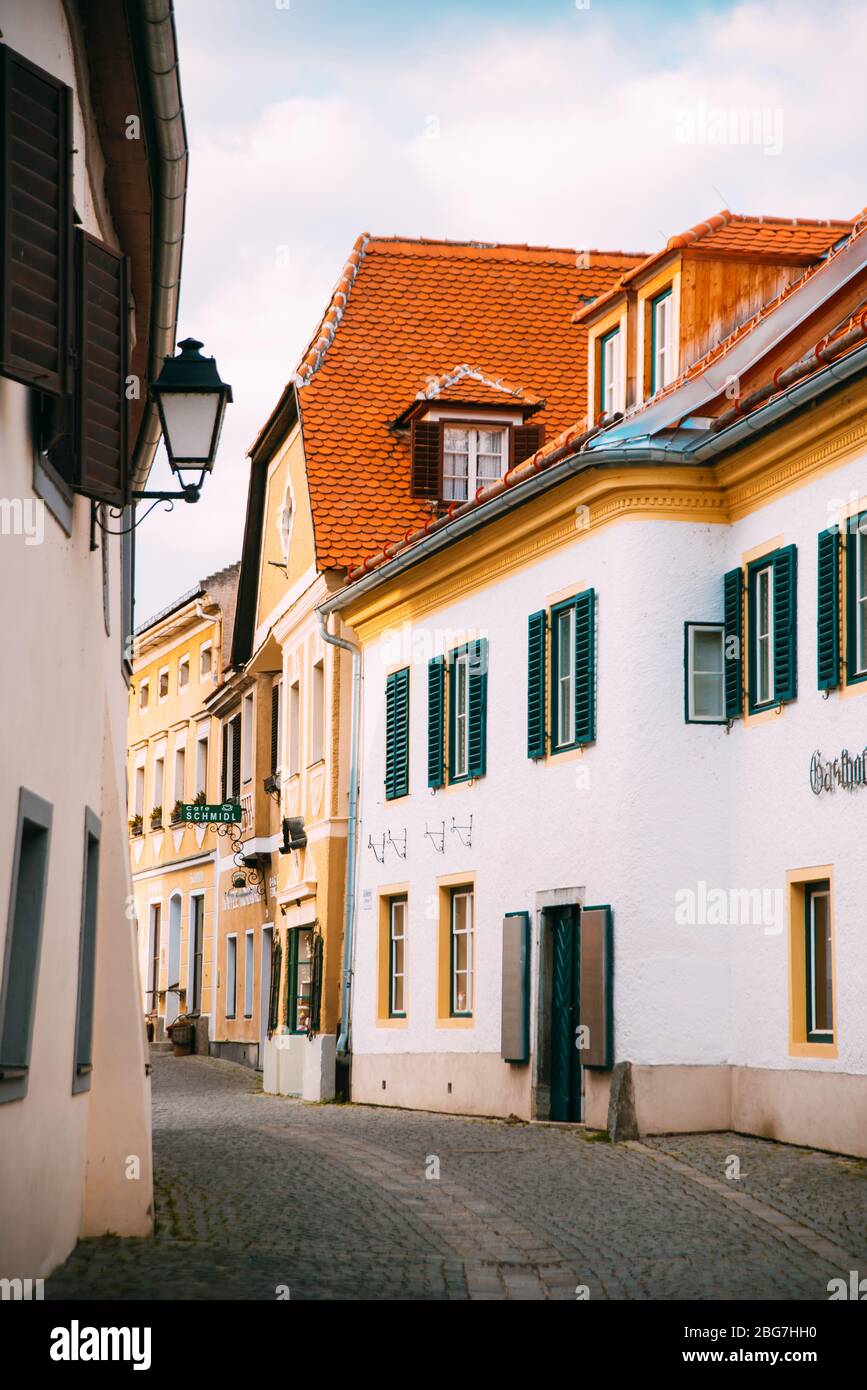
column 174, row 753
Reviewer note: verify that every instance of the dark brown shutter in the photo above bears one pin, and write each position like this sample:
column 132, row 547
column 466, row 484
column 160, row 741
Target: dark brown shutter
column 425, row 459
column 236, row 756
column 526, row 439
column 596, row 980
column 275, row 727
column 101, row 377
column 35, row 225
column 225, row 779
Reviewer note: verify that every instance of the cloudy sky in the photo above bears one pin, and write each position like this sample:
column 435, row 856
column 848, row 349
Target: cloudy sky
column 613, row 123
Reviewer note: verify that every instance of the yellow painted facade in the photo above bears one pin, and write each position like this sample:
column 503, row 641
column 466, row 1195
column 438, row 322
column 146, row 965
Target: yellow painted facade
column 173, row 757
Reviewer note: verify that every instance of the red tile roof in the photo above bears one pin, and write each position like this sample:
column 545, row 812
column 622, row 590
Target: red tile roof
column 405, row 312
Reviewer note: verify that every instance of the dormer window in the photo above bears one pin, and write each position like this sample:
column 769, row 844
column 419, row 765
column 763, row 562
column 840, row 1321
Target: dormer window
column 662, row 358
column 472, row 458
column 611, row 398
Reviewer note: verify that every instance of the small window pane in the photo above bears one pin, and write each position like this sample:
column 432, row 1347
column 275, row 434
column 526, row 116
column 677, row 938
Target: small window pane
column 822, row 996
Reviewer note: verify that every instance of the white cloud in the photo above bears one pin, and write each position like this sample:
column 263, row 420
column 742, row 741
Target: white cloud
column 563, row 133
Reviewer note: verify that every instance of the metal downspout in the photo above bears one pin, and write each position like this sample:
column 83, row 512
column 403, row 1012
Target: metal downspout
column 351, row 834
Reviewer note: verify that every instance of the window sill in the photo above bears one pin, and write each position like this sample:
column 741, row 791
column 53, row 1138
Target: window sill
column 456, row 1021
column 829, row 1051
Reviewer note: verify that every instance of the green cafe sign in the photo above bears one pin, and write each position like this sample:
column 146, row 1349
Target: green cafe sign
column 227, row 813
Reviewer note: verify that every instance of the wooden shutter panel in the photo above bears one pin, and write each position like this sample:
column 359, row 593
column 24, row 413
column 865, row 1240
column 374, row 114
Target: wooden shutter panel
column 275, row 727
column 515, row 1017
column 595, row 1011
column 425, row 459
column 828, row 611
column 274, row 997
column 397, row 734
column 236, row 757
column 733, row 652
column 101, row 466
column 436, row 721
column 536, row 708
column 526, row 439
column 316, row 985
column 585, row 667
column 224, row 783
column 477, row 707
column 35, row 225
column 786, row 623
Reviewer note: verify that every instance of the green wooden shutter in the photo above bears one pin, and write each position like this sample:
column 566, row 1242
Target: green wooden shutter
column 828, row 611
column 733, row 621
column 515, row 993
column 596, row 976
column 785, row 623
column 316, row 985
column 477, row 707
column 435, row 721
column 585, row 667
column 397, row 734
column 274, row 997
column 536, row 627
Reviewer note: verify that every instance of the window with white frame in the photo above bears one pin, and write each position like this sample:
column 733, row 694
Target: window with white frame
column 397, row 958
column 460, row 676
column 206, row 661
column 662, row 356
column 183, row 673
column 317, row 714
column 611, row 395
column 144, row 694
column 231, row 976
column 159, row 784
column 705, row 673
column 163, row 680
column 563, row 670
column 472, row 458
column 294, row 729
column 139, row 789
column 202, row 763
column 462, row 941
column 248, row 974
column 819, row 963
column 857, row 578
column 197, row 949
column 763, row 636
column 180, row 773
column 247, row 738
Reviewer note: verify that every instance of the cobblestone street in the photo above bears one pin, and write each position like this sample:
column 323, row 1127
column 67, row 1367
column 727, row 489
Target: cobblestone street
column 255, row 1192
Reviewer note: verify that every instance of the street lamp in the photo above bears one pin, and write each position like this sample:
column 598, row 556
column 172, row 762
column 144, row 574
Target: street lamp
column 191, row 400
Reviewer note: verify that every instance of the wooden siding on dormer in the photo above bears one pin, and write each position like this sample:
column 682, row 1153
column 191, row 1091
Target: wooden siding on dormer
column 717, row 296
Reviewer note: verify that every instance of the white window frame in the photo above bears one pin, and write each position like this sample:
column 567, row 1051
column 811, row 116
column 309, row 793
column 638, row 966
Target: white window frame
column 294, row 717
column 317, row 711
column 661, row 308
column 691, row 673
column 184, row 661
column 812, row 1031
column 164, row 671
column 138, row 803
column 764, row 575
column 473, row 480
column 462, row 714
column 203, row 738
column 144, row 690
column 159, row 762
column 247, row 727
column 178, row 793
column 206, row 675
column 565, row 737
column 197, row 896
column 249, row 968
column 467, row 894
column 611, row 377
column 231, row 975
column 397, row 907
column 860, row 600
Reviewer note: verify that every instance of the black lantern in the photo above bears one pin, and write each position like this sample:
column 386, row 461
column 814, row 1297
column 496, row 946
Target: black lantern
column 191, row 400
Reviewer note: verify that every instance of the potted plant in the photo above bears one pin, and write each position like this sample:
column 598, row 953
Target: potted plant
column 156, row 817
column 200, row 798
column 136, row 823
column 177, row 811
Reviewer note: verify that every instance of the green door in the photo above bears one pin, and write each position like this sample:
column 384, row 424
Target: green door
column 565, row 1057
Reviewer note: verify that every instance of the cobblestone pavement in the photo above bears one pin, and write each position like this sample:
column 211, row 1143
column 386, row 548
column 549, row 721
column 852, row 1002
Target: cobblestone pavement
column 256, row 1192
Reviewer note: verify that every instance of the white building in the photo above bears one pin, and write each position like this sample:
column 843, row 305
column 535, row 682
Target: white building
column 93, row 159
column 598, row 686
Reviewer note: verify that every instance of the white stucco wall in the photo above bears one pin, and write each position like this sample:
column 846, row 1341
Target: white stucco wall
column 665, row 804
column 63, row 737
